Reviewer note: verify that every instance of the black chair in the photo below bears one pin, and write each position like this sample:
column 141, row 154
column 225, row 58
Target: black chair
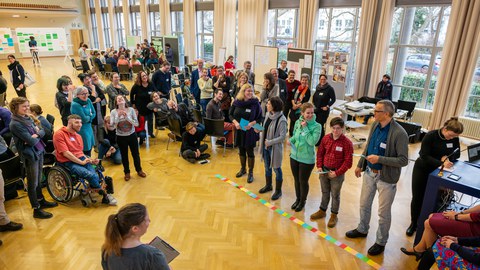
column 214, row 128
column 108, row 70
column 175, row 128
column 124, row 70
column 51, row 119
column 408, row 106
column 137, row 68
column 197, row 115
column 76, row 67
column 413, row 131
column 12, row 170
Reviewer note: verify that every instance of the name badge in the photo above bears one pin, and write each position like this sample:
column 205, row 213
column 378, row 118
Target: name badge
column 72, row 139
column 383, row 145
column 321, row 94
column 339, row 148
column 149, row 93
column 168, row 80
column 248, row 110
column 283, row 90
column 449, row 145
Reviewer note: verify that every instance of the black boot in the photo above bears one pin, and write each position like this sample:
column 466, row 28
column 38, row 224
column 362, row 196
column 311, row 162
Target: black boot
column 278, row 190
column 109, row 184
column 243, row 163
column 42, row 214
column 268, row 185
column 300, row 206
column 46, row 204
column 251, row 164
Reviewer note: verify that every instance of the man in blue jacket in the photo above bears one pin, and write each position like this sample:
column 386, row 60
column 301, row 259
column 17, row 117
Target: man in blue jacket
column 194, row 80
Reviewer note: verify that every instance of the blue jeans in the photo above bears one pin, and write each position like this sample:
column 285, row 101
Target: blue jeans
column 86, row 172
column 142, row 135
column 103, row 149
column 204, row 102
column 386, row 193
column 33, row 170
column 268, row 169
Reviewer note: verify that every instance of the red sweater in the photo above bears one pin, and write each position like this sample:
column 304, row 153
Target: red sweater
column 141, row 124
column 335, row 154
column 290, row 87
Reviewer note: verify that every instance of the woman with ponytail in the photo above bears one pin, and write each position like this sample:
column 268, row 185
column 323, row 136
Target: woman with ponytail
column 122, row 248
column 438, row 149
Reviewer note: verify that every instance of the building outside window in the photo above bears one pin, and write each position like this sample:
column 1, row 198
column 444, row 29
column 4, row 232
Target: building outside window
column 106, row 24
column 282, row 29
column 337, row 32
column 154, row 24
column 119, row 23
column 415, row 53
column 472, row 108
column 205, row 34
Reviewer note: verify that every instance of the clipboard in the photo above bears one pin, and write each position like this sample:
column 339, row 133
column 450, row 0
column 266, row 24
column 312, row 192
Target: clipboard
column 169, row 252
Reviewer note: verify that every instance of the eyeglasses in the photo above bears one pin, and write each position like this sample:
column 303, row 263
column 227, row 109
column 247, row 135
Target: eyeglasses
column 82, row 94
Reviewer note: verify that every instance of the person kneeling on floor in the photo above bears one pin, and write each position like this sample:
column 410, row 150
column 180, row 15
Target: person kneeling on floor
column 69, row 152
column 192, row 149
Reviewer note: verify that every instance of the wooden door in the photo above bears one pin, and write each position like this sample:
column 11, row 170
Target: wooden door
column 76, row 36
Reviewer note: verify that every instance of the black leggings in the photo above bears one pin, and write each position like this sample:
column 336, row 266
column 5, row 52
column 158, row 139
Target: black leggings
column 419, row 185
column 301, row 173
column 246, row 151
column 124, row 142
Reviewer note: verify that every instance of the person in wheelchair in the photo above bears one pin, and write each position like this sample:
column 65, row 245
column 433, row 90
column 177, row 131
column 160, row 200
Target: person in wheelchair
column 69, row 153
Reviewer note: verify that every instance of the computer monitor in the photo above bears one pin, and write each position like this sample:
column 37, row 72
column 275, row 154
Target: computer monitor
column 473, row 152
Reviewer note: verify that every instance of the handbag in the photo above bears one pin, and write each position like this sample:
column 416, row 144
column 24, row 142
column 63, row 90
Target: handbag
column 29, row 80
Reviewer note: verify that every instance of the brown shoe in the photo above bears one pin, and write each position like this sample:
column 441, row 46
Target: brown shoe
column 332, row 221
column 318, row 215
column 127, row 176
column 142, row 174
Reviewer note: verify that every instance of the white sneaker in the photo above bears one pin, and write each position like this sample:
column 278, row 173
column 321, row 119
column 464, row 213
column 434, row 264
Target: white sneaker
column 111, row 200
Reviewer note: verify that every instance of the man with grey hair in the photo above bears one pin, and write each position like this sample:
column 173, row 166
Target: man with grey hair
column 247, row 68
column 282, row 85
column 384, row 156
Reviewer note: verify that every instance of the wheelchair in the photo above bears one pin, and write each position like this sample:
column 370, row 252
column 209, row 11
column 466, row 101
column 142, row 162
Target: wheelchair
column 64, row 186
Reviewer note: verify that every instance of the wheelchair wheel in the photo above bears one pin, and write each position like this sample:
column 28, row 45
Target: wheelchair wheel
column 59, row 184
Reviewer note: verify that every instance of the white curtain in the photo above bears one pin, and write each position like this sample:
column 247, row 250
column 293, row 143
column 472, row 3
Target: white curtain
column 307, row 25
column 144, row 18
column 459, row 56
column 189, row 30
column 253, row 15
column 165, row 19
column 362, row 55
column 224, row 24
column 381, row 47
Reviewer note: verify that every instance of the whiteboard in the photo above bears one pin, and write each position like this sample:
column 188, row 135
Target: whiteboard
column 265, row 58
column 6, row 41
column 222, row 56
column 48, row 39
column 132, row 41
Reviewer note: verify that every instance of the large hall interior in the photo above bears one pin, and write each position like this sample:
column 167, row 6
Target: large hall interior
column 425, row 52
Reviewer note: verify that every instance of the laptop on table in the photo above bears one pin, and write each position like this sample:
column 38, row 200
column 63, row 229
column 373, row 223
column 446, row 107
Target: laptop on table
column 474, row 154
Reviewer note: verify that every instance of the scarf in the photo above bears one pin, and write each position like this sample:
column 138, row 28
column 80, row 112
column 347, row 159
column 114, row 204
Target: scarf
column 12, row 65
column 301, row 91
column 25, row 120
column 81, row 102
column 321, row 88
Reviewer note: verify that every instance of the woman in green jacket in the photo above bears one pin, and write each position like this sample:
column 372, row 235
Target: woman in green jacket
column 302, row 156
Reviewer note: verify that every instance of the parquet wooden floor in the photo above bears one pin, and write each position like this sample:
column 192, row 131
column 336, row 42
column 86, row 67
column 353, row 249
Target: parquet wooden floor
column 211, row 223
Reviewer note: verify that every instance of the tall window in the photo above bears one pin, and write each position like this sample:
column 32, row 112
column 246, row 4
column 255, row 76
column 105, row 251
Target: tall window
column 473, row 104
column 119, row 23
column 135, row 19
column 154, row 18
column 205, row 34
column 415, row 53
column 93, row 19
column 337, row 32
column 106, row 24
column 282, row 29
column 177, row 30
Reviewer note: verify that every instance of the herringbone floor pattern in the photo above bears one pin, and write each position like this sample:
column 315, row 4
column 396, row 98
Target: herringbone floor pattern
column 211, row 223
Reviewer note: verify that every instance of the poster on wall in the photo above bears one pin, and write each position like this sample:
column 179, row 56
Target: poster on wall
column 301, row 61
column 334, row 65
column 48, row 39
column 6, row 41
